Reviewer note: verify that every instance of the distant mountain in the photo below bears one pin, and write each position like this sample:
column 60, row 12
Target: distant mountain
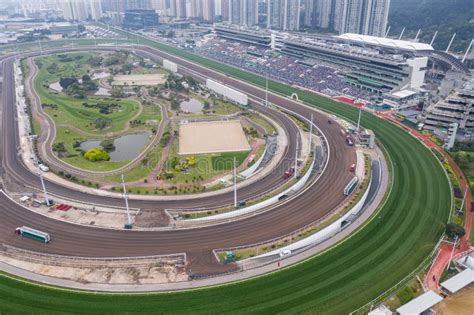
column 445, row 16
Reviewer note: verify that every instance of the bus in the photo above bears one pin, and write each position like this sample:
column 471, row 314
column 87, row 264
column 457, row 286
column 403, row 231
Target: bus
column 33, row 234
column 351, row 186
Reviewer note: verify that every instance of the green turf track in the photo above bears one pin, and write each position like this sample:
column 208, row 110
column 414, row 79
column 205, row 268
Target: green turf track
column 336, row 282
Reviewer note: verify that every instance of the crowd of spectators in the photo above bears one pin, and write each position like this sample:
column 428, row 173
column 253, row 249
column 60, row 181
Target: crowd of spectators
column 309, row 74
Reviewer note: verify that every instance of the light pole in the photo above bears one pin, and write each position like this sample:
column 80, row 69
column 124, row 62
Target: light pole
column 310, row 134
column 266, row 90
column 125, row 196
column 296, row 158
column 452, row 252
column 44, row 189
column 235, row 183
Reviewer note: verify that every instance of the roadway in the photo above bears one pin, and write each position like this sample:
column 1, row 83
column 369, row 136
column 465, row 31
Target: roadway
column 75, row 240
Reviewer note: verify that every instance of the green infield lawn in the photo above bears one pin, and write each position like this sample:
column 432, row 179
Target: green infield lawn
column 338, row 281
column 70, row 111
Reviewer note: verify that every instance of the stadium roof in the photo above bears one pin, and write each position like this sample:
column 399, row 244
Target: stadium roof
column 420, row 304
column 459, row 281
column 385, row 42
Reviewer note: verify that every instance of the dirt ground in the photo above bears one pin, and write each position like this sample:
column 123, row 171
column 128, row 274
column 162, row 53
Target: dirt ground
column 133, row 274
column 211, row 137
column 461, row 303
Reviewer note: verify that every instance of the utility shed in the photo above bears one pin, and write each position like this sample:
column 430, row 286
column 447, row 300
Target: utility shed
column 420, row 304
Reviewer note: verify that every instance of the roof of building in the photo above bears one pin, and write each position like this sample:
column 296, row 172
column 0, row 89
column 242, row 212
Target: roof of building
column 459, row 281
column 467, row 261
column 420, row 304
column 385, row 42
column 382, row 310
column 404, row 93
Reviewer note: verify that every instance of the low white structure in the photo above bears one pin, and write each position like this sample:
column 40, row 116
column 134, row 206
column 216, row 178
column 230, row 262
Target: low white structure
column 171, row 66
column 227, row 92
column 459, row 281
column 420, row 304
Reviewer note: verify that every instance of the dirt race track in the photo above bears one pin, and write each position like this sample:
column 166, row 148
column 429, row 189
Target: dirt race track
column 212, row 137
column 75, row 240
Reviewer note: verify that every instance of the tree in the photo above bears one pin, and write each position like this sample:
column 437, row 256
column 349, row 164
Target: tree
column 453, row 230
column 66, row 82
column 102, row 123
column 86, row 78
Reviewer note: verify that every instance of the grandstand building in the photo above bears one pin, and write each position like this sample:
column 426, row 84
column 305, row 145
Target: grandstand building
column 258, row 38
column 374, row 69
column 458, row 107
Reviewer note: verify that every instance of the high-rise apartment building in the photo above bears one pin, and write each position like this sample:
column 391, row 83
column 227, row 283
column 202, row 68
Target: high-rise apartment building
column 275, row 14
column 375, row 17
column 158, row 5
column 74, row 10
column 95, row 9
column 283, row 14
column 243, row 12
column 178, row 9
column 367, row 17
column 208, row 10
column 194, row 9
column 225, row 8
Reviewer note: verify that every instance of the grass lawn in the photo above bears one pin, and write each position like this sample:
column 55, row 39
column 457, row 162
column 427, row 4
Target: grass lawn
column 471, row 236
column 338, row 281
column 71, row 111
column 76, row 122
column 141, row 171
column 225, row 161
column 207, row 165
column 224, row 108
column 262, row 122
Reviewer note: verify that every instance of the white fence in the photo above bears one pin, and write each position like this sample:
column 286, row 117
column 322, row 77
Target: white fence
column 322, row 235
column 266, row 203
column 171, row 66
column 227, row 92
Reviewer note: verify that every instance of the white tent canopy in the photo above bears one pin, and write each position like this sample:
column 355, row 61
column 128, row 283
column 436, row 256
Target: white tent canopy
column 459, row 281
column 420, row 304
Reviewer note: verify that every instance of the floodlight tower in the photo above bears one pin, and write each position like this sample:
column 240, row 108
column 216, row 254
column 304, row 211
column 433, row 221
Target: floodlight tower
column 417, row 34
column 467, row 51
column 434, row 37
column 388, row 30
column 358, row 120
column 401, row 34
column 450, row 43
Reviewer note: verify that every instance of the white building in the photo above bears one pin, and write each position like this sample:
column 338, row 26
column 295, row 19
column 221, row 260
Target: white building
column 95, row 9
column 74, row 10
column 243, row 12
column 283, row 14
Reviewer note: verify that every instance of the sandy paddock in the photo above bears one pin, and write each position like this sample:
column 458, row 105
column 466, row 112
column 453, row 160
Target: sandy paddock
column 212, row 137
column 139, row 79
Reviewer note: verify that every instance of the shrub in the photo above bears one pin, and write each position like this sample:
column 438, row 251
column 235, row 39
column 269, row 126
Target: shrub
column 96, row 154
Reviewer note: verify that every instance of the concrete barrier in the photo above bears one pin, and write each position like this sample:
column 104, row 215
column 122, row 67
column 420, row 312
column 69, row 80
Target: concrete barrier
column 325, row 233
